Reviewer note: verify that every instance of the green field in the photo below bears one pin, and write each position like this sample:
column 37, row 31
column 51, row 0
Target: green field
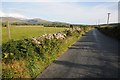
column 21, row 32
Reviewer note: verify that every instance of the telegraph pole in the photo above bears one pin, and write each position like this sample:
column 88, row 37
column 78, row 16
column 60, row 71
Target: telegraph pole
column 98, row 22
column 108, row 19
column 8, row 27
column 44, row 30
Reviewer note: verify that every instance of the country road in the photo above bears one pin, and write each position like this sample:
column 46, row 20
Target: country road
column 93, row 56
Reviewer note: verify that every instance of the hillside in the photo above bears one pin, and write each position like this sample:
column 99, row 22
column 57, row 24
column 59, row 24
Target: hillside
column 10, row 19
column 14, row 20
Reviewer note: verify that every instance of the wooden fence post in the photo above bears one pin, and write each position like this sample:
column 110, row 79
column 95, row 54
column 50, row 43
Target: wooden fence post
column 8, row 29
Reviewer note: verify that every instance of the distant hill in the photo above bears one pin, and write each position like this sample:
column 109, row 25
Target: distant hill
column 31, row 21
column 37, row 21
column 10, row 19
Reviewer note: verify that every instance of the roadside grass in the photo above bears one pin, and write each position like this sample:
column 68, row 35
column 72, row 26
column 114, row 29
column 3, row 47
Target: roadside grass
column 20, row 32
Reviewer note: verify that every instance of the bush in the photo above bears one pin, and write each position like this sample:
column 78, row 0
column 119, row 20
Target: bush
column 19, row 49
column 26, row 48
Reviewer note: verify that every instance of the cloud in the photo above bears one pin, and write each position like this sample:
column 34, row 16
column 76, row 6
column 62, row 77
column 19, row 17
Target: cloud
column 17, row 15
column 2, row 14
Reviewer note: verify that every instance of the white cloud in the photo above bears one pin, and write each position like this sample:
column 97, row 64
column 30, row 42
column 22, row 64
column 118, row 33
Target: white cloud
column 17, row 15
column 2, row 14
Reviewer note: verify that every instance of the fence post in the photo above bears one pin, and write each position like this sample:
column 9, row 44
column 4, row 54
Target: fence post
column 8, row 29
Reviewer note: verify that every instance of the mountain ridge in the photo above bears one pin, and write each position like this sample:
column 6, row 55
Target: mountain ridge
column 29, row 21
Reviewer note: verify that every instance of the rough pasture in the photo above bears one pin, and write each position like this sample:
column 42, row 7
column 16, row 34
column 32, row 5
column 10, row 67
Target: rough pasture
column 18, row 33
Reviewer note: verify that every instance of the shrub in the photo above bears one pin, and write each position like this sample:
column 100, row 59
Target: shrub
column 20, row 49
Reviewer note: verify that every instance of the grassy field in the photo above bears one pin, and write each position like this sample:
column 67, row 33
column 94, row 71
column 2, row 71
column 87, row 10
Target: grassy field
column 21, row 32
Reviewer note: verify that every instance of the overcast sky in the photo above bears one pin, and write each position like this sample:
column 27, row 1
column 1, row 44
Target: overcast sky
column 71, row 11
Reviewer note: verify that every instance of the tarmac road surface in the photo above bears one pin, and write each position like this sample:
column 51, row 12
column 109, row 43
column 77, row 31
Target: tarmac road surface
column 93, row 56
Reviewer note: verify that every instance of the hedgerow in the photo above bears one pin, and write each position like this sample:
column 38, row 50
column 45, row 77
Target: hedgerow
column 113, row 32
column 35, row 53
